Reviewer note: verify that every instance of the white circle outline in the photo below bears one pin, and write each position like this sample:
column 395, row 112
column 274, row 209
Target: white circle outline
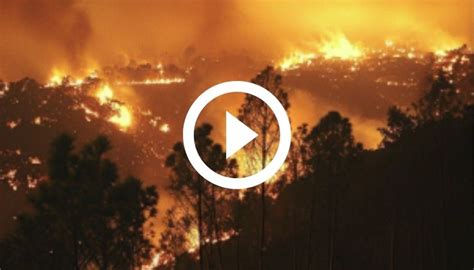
column 236, row 87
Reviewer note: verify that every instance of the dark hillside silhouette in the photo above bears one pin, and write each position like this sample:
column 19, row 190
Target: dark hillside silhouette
column 406, row 205
column 336, row 205
column 84, row 216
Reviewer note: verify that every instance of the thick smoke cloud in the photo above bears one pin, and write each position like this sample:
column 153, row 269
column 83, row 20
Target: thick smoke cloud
column 40, row 35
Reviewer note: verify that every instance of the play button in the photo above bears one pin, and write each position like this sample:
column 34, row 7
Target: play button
column 237, row 135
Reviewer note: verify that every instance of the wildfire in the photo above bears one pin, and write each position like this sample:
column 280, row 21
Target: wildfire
column 193, row 240
column 60, row 77
column 122, row 113
column 123, row 116
column 104, row 94
column 338, row 46
column 296, row 60
column 56, row 79
column 251, row 163
column 443, row 50
column 155, row 262
column 154, row 81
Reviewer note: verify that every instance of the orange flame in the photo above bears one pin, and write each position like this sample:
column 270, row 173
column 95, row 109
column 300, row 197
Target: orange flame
column 123, row 117
column 338, row 46
column 104, row 94
column 296, row 60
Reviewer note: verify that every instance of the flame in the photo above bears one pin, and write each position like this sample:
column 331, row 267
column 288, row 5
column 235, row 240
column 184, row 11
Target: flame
column 296, row 60
column 104, row 94
column 443, row 50
column 59, row 77
column 338, row 46
column 123, row 118
column 56, row 78
column 192, row 238
column 155, row 262
column 444, row 44
column 154, row 81
column 250, row 163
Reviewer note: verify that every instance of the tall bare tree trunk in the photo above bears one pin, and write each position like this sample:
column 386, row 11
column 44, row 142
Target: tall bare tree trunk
column 444, row 186
column 216, row 227
column 237, row 264
column 200, row 229
column 422, row 239
column 392, row 245
column 76, row 249
column 262, row 228
column 262, row 235
column 332, row 229
column 310, row 229
column 295, row 244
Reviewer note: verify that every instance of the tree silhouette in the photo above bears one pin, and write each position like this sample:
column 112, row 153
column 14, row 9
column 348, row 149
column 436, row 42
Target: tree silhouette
column 440, row 101
column 404, row 206
column 259, row 117
column 398, row 124
column 83, row 216
column 332, row 146
column 196, row 195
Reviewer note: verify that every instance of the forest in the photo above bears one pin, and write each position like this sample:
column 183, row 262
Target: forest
column 335, row 205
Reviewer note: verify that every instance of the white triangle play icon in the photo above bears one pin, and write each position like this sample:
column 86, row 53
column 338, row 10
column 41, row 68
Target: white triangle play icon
column 237, row 134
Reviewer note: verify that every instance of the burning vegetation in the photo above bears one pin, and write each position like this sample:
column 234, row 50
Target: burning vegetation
column 332, row 192
column 337, row 47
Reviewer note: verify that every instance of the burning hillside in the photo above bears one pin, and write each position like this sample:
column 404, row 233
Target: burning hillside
column 131, row 70
column 81, row 105
column 108, row 98
column 108, row 101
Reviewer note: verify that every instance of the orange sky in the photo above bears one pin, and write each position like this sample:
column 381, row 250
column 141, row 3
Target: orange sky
column 39, row 35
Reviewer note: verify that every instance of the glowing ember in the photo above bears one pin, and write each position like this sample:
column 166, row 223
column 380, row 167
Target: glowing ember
column 10, row 178
column 295, row 60
column 34, row 160
column 89, row 111
column 165, row 128
column 32, row 182
column 388, row 43
column 13, row 124
column 11, row 174
column 338, row 46
column 155, row 262
column 37, row 120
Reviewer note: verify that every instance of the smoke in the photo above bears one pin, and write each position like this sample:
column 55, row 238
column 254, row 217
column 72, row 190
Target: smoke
column 43, row 31
column 40, row 35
